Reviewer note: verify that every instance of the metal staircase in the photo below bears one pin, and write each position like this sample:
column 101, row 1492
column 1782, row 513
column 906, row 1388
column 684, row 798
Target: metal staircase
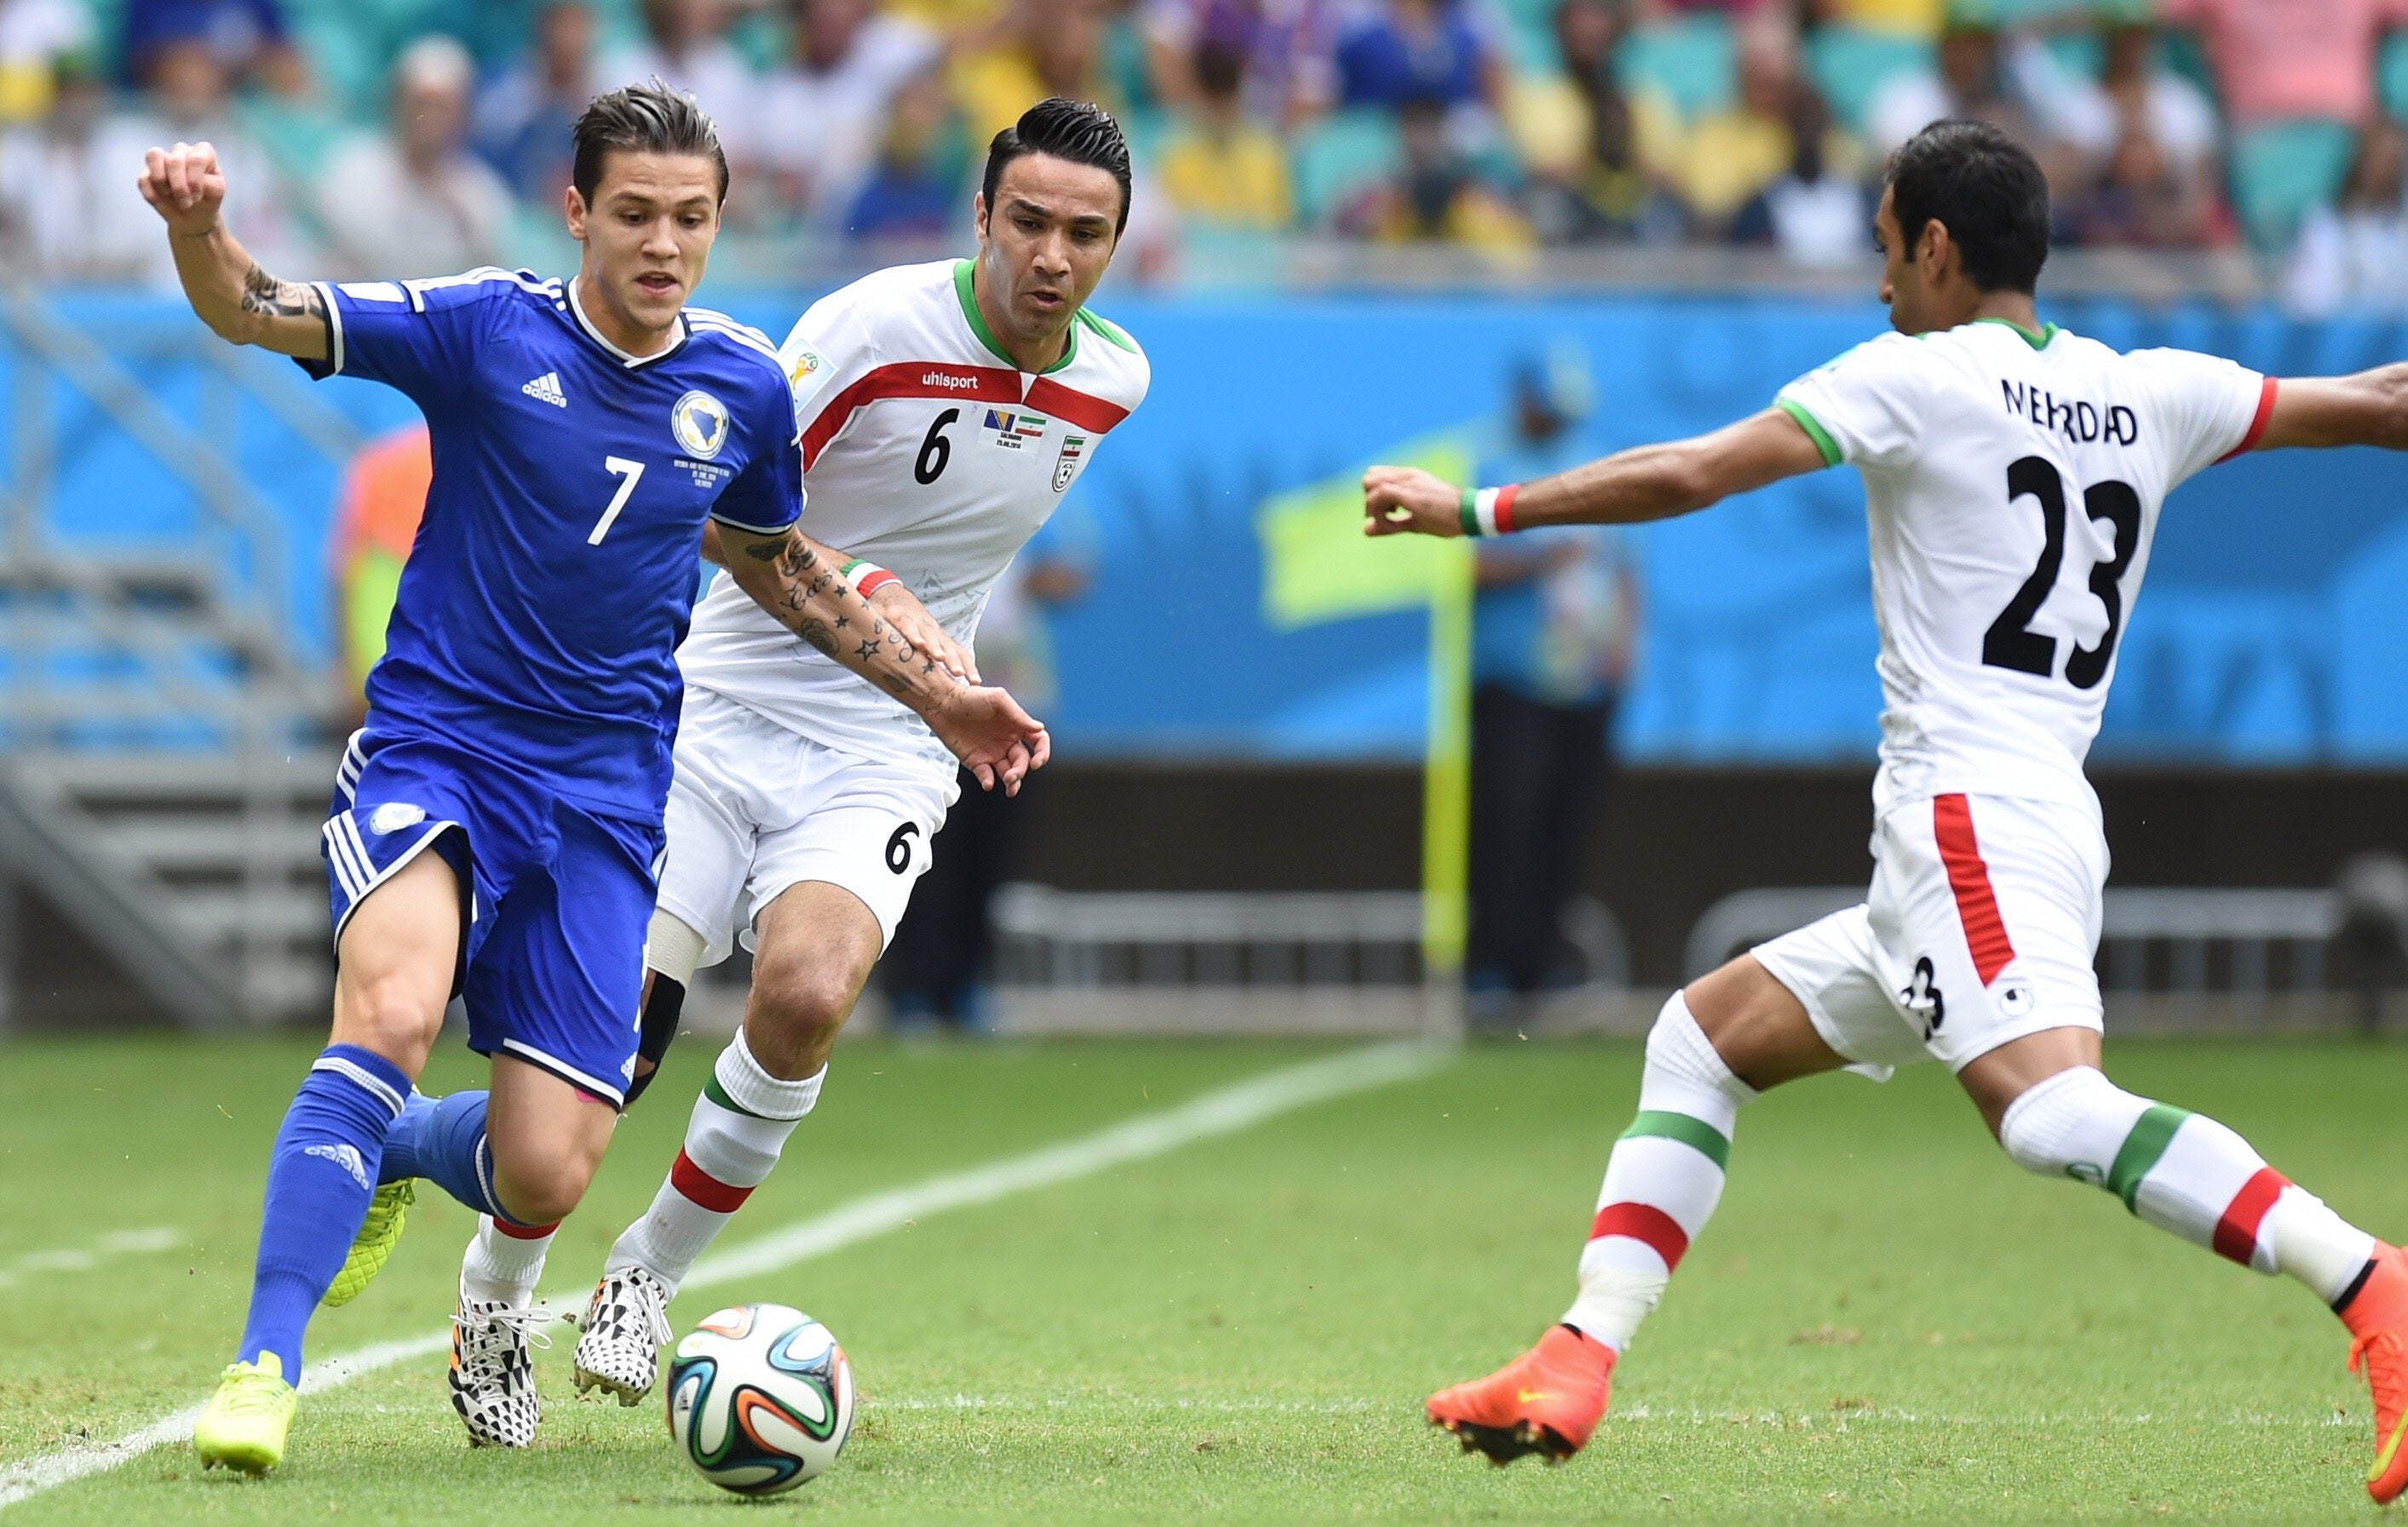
column 165, row 758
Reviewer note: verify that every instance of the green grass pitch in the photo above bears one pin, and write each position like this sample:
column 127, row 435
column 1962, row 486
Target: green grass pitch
column 1886, row 1321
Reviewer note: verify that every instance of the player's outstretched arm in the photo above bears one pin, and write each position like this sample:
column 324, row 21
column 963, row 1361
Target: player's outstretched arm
column 897, row 603
column 237, row 300
column 794, row 578
column 2370, row 408
column 1647, row 482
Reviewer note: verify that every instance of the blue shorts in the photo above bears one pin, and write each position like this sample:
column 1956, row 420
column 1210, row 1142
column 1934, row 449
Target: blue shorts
column 558, row 898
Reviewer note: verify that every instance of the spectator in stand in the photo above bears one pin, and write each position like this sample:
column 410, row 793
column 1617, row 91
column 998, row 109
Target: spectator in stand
column 2142, row 201
column 1598, row 157
column 412, row 199
column 524, row 116
column 1286, row 73
column 1220, row 168
column 2009, row 83
column 685, row 45
column 1730, row 155
column 2353, row 255
column 1042, row 48
column 822, row 115
column 916, row 189
column 36, row 37
column 1438, row 195
column 1397, row 51
column 2146, row 96
column 2281, row 60
column 2298, row 79
column 1814, row 215
column 69, row 212
column 248, row 39
column 77, row 215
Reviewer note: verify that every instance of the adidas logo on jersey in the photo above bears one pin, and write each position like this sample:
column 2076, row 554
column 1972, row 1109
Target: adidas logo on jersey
column 546, row 389
column 348, row 1158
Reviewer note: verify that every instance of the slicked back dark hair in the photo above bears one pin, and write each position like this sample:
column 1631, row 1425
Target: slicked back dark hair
column 1986, row 189
column 646, row 119
column 1081, row 132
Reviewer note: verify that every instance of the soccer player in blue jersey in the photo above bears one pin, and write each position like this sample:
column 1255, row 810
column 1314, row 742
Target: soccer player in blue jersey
column 497, row 824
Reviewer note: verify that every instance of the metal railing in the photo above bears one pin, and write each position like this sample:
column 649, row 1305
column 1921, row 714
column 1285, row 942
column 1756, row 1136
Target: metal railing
column 1047, row 938
column 2150, row 939
column 184, row 650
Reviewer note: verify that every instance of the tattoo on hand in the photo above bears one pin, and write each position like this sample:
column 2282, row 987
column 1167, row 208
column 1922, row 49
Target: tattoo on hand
column 270, row 297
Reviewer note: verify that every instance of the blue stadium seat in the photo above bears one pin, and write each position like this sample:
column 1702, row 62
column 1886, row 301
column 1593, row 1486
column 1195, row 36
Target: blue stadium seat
column 2282, row 169
column 2391, row 74
column 1850, row 65
column 1693, row 62
column 1340, row 156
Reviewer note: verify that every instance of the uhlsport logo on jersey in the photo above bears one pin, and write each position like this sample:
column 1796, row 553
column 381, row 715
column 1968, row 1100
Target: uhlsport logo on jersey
column 1066, row 467
column 699, row 422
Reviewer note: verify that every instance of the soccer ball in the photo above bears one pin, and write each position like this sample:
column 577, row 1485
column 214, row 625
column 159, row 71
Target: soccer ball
column 760, row 1398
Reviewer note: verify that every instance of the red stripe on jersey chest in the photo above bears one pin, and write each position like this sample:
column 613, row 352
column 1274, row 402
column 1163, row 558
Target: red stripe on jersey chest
column 970, row 383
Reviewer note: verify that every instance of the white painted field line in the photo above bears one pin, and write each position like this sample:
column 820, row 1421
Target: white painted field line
column 77, row 1259
column 1225, row 1110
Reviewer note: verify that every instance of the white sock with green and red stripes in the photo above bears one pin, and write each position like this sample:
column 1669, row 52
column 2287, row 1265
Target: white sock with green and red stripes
column 1662, row 1181
column 732, row 1142
column 2184, row 1171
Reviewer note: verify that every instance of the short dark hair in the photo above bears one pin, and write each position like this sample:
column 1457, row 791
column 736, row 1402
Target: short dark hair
column 1985, row 188
column 1081, row 132
column 646, row 119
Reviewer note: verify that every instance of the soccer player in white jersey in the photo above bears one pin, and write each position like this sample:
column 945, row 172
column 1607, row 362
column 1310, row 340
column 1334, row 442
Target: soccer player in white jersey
column 945, row 410
column 2013, row 478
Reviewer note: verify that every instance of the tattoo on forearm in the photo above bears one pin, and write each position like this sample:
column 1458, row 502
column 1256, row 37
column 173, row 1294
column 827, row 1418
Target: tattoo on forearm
column 817, row 633
column 270, row 297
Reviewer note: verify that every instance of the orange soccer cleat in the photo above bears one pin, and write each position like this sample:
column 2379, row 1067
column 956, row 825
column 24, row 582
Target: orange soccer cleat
column 1546, row 1401
column 2377, row 1315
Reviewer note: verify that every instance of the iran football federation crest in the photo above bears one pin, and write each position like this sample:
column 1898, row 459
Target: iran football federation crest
column 699, row 422
column 1066, row 467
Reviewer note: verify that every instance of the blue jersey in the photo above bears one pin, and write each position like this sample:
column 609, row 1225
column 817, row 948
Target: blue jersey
column 550, row 582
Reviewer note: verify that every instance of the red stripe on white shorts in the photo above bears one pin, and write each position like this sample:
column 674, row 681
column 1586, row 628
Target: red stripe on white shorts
column 1986, row 932
column 708, row 1191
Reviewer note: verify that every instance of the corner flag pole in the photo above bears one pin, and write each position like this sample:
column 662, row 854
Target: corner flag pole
column 1446, row 797
column 1318, row 566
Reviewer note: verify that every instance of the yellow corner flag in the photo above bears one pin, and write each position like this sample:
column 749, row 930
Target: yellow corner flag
column 1317, row 566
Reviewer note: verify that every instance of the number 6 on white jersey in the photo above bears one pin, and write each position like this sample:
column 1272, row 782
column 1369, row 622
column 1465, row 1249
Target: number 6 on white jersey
column 629, row 473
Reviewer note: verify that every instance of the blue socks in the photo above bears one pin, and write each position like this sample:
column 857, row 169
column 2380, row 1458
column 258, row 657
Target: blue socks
column 320, row 1177
column 443, row 1140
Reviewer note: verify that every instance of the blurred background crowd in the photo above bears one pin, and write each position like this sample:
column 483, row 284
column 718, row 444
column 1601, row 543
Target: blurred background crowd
column 431, row 135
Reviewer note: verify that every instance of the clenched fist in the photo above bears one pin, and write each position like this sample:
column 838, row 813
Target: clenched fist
column 186, row 187
column 1406, row 500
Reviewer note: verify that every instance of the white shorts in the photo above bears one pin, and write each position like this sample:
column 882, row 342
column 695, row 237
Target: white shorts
column 1980, row 927
column 756, row 807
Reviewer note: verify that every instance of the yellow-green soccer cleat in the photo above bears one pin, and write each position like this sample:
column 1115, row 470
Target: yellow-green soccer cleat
column 388, row 1211
column 244, row 1424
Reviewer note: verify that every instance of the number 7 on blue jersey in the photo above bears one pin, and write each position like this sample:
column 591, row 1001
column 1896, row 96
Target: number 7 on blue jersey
column 629, row 473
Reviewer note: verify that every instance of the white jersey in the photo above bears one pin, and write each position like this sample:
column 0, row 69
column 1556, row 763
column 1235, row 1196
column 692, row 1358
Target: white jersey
column 2013, row 483
column 928, row 452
